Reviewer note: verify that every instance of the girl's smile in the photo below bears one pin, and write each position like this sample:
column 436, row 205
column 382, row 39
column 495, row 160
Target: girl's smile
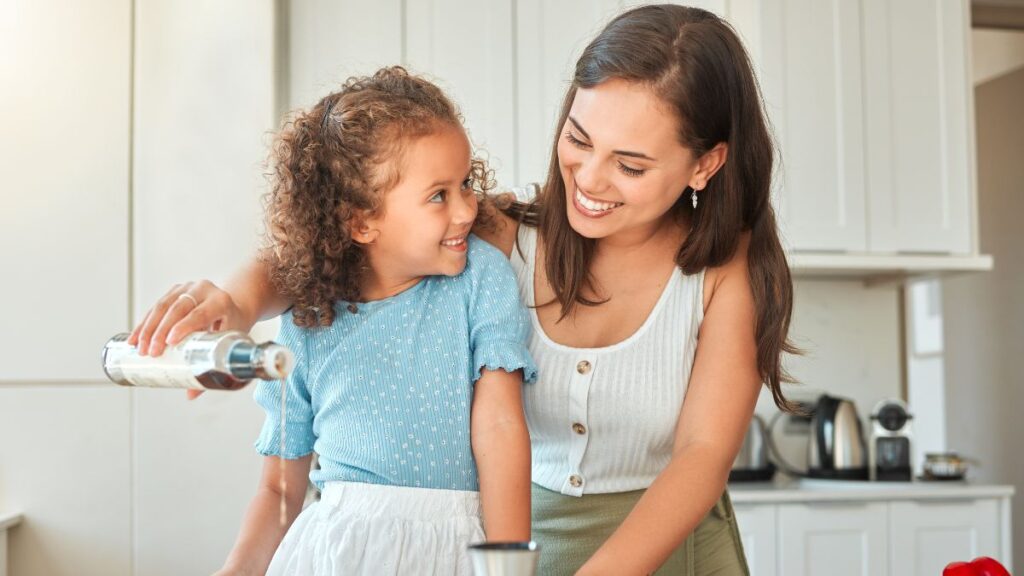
column 457, row 244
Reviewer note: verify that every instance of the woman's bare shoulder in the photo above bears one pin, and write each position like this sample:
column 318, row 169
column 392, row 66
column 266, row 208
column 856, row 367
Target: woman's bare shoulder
column 732, row 272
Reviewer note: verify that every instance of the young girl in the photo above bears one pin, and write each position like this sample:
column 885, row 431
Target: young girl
column 410, row 341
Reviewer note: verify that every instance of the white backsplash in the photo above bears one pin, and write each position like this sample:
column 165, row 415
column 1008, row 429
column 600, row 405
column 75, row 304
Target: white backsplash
column 850, row 335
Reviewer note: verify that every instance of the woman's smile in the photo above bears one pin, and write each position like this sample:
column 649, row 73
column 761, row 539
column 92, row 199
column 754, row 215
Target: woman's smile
column 592, row 207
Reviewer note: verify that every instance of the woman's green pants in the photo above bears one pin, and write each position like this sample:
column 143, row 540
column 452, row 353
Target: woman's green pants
column 570, row 529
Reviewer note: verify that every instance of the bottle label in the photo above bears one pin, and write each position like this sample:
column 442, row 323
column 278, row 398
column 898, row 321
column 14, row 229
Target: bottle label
column 172, row 369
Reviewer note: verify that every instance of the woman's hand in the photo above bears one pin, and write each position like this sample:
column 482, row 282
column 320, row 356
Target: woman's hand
column 187, row 308
column 184, row 309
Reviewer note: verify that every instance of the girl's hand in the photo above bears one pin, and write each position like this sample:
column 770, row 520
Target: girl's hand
column 186, row 308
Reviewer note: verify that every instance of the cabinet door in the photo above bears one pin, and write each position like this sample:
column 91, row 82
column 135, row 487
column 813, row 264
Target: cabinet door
column 64, row 156
column 204, row 102
column 78, row 521
column 928, row 535
column 838, row 539
column 468, row 48
column 758, row 531
column 330, row 40
column 918, row 110
column 550, row 36
column 808, row 55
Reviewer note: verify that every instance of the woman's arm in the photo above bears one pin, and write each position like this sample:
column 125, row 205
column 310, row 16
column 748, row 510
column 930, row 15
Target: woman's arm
column 249, row 297
column 720, row 399
column 262, row 530
column 501, row 447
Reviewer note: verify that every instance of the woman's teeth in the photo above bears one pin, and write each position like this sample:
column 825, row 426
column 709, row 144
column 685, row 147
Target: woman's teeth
column 453, row 242
column 593, row 205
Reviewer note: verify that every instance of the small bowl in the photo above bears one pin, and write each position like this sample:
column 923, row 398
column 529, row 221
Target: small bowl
column 944, row 466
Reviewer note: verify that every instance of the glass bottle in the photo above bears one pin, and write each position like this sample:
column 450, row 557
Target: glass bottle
column 202, row 361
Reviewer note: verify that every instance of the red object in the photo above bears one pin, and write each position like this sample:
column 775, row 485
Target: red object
column 958, row 569
column 981, row 566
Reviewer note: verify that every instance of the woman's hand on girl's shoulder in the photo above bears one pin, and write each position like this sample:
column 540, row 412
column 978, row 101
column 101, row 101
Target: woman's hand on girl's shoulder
column 494, row 226
column 184, row 309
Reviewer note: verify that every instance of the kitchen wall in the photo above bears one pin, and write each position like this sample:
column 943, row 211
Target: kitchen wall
column 984, row 313
column 115, row 481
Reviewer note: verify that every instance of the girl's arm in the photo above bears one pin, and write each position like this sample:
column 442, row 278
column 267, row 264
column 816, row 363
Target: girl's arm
column 262, row 530
column 249, row 297
column 722, row 392
column 501, row 447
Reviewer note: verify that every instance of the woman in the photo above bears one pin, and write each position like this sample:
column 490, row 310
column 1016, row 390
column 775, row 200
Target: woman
column 661, row 292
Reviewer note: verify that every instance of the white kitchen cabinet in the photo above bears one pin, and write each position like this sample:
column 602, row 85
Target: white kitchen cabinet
column 550, row 36
column 65, row 467
column 793, row 528
column 871, row 106
column 65, row 159
column 467, row 46
column 757, row 525
column 810, row 73
column 330, row 40
column 869, row 102
column 835, row 538
column 926, row 536
column 918, row 119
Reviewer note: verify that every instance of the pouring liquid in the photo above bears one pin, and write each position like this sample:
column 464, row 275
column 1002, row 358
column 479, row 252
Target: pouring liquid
column 284, row 479
column 206, row 361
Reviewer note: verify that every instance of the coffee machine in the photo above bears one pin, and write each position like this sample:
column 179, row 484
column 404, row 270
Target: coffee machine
column 889, row 448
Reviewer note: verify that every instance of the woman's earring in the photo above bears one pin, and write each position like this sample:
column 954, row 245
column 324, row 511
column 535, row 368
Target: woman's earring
column 693, row 196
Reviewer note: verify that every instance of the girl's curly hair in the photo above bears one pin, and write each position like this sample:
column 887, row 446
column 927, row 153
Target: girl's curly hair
column 334, row 162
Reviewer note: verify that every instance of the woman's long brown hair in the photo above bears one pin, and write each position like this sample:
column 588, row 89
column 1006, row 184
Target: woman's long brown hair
column 694, row 61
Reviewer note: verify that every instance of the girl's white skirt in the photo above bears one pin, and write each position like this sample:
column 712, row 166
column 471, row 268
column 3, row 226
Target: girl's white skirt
column 359, row 528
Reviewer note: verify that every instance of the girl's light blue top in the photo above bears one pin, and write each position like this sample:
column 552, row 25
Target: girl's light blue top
column 383, row 396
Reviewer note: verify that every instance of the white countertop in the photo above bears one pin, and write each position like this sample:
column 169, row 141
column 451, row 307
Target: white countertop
column 785, row 489
column 8, row 519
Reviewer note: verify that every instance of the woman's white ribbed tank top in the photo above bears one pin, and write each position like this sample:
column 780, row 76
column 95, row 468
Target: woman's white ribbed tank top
column 604, row 419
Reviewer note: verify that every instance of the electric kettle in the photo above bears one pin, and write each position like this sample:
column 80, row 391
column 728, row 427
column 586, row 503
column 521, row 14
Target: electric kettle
column 836, row 448
column 751, row 463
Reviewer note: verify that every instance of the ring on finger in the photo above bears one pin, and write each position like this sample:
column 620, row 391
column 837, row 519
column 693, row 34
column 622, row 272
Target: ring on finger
column 195, row 303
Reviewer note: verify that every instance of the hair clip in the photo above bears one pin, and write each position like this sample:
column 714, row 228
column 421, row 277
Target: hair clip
column 327, row 114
